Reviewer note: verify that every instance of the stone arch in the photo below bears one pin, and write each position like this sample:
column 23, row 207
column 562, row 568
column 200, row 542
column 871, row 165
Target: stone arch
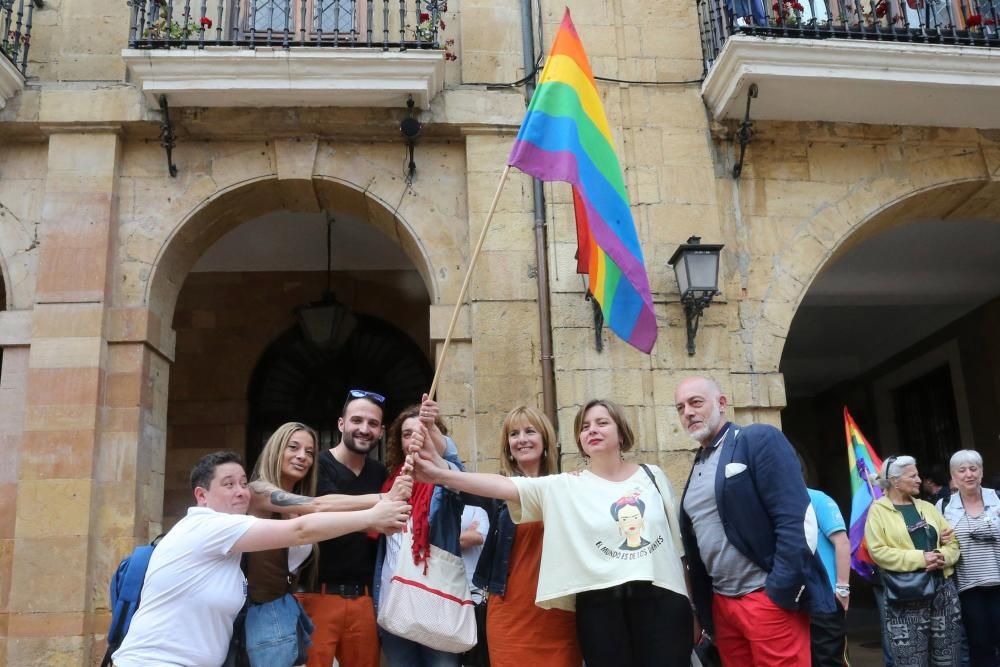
column 831, row 229
column 219, row 213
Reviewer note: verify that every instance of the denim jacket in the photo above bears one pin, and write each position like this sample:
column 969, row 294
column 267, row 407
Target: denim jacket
column 494, row 561
column 444, row 519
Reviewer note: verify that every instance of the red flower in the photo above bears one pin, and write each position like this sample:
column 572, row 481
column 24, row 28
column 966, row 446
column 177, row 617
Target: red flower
column 775, row 7
column 974, row 20
column 989, row 22
column 797, row 6
column 206, row 22
column 441, row 25
column 881, row 8
column 424, row 16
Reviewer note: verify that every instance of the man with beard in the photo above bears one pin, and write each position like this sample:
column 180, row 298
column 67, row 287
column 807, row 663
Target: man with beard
column 750, row 536
column 341, row 605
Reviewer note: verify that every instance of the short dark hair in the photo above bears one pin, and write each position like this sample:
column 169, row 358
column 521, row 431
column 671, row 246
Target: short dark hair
column 378, row 400
column 203, row 471
column 938, row 474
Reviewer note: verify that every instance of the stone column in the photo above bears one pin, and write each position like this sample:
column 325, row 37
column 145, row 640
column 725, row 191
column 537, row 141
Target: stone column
column 58, row 504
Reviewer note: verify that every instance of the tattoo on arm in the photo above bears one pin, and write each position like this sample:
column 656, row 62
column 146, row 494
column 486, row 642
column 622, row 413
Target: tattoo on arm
column 286, row 499
column 278, row 497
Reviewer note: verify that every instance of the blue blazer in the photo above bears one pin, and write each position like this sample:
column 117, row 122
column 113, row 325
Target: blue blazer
column 766, row 514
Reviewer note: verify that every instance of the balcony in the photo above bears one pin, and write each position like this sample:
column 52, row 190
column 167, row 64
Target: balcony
column 15, row 21
column 278, row 53
column 899, row 62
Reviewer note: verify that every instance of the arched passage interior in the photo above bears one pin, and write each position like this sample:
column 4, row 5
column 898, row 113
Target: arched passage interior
column 240, row 364
column 902, row 326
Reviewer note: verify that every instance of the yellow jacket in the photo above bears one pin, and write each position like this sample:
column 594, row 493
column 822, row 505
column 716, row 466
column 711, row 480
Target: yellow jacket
column 889, row 542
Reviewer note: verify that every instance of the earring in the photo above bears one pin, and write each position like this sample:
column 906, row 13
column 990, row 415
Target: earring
column 544, row 454
column 621, row 455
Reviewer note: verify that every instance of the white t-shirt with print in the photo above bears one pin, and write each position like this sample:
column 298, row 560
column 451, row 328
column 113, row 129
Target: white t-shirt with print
column 587, row 548
column 191, row 594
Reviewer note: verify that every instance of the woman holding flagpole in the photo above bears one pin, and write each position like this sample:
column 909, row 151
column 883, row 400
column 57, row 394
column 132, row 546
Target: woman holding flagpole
column 611, row 549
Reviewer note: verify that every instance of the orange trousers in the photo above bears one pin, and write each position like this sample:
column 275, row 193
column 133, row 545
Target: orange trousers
column 345, row 630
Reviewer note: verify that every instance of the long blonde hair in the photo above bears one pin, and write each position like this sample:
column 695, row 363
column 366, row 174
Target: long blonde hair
column 536, row 418
column 268, row 468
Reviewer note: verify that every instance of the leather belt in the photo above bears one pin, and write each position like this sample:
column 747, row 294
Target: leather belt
column 349, row 591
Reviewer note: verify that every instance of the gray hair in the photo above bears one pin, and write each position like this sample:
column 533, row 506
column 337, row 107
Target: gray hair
column 892, row 468
column 964, row 457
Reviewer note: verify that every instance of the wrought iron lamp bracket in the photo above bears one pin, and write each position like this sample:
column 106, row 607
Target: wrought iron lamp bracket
column 745, row 134
column 167, row 139
column 694, row 306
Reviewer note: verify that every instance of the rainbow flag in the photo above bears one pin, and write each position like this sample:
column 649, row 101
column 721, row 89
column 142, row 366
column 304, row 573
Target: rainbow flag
column 863, row 460
column 565, row 137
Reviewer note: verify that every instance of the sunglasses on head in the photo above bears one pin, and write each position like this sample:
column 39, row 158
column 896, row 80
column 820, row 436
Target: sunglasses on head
column 361, row 393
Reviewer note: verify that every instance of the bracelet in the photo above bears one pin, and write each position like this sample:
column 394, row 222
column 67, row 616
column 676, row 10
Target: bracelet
column 842, row 589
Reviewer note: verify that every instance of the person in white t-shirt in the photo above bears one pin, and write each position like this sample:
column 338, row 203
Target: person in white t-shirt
column 475, row 528
column 194, row 587
column 614, row 561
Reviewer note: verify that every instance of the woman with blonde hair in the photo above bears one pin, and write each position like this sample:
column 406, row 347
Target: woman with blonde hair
column 517, row 630
column 283, row 486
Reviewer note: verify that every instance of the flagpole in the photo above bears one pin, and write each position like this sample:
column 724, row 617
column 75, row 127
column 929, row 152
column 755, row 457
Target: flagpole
column 465, row 283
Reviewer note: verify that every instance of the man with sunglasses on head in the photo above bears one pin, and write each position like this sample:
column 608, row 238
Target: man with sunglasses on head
column 340, row 605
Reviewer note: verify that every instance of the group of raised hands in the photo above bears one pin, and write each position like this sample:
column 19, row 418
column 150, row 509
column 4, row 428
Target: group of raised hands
column 423, row 459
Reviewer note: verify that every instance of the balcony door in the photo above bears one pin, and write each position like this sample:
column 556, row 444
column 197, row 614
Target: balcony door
column 304, row 20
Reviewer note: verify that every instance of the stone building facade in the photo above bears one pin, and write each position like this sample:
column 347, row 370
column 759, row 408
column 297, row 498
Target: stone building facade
column 122, row 362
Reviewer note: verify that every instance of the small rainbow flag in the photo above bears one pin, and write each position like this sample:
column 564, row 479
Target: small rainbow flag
column 565, row 137
column 863, row 460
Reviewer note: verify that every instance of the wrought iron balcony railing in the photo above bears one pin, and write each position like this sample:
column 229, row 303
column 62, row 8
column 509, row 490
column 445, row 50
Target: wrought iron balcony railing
column 15, row 20
column 951, row 22
column 386, row 24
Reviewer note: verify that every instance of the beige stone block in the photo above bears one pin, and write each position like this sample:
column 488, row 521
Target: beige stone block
column 60, row 417
column 15, row 328
column 440, row 319
column 111, row 104
column 574, row 350
column 295, row 158
column 505, row 276
column 470, row 107
column 67, row 320
column 53, row 508
column 76, row 352
column 509, row 231
column 50, row 651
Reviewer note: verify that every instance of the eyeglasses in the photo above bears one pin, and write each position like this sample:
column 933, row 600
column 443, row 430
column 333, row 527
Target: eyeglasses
column 361, row 393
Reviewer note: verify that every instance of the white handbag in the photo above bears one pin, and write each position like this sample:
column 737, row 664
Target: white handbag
column 434, row 609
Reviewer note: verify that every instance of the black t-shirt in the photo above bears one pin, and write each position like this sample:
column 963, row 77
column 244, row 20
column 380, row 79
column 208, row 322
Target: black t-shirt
column 349, row 559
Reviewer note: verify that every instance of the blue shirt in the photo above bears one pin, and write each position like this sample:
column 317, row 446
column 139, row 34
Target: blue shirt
column 830, row 521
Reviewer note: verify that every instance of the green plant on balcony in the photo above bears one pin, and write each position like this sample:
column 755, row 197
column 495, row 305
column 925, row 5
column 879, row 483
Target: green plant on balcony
column 159, row 28
column 11, row 46
column 430, row 23
column 787, row 13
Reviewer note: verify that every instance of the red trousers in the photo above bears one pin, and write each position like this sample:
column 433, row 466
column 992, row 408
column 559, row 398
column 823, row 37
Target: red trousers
column 752, row 631
column 345, row 630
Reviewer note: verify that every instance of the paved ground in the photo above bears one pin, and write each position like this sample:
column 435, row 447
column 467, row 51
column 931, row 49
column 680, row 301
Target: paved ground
column 864, row 637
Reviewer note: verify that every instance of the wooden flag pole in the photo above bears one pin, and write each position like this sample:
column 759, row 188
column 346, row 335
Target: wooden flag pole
column 465, row 283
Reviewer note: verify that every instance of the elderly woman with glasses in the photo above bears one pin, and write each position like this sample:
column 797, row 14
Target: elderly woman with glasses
column 975, row 513
column 907, row 536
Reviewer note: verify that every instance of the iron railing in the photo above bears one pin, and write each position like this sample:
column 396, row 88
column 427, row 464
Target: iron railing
column 396, row 24
column 15, row 20
column 955, row 22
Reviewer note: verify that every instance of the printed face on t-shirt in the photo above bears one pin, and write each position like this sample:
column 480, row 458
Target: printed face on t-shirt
column 228, row 492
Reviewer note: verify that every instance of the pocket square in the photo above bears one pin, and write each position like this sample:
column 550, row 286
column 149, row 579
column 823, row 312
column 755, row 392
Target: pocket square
column 733, row 469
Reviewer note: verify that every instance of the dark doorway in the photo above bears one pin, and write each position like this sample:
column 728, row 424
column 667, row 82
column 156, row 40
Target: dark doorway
column 295, row 381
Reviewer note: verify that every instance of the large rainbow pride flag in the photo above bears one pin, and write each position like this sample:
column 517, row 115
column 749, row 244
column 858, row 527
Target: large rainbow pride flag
column 565, row 137
column 863, row 460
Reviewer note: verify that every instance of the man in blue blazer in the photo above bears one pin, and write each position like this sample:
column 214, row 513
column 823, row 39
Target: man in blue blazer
column 750, row 536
